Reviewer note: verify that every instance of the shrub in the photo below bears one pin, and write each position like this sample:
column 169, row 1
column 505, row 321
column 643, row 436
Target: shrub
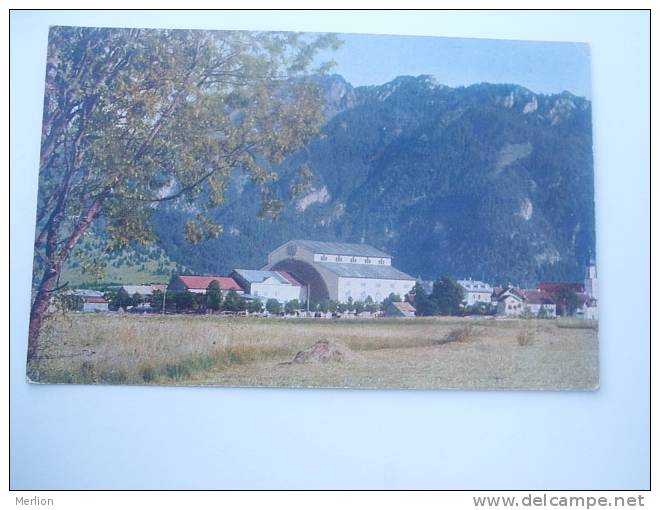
column 113, row 377
column 456, row 335
column 148, row 373
column 87, row 373
column 176, row 371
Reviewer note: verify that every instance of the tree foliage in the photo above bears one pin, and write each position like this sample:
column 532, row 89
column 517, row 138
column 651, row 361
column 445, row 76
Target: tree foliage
column 447, row 296
column 213, row 296
column 273, row 306
column 135, row 117
column 292, row 306
column 566, row 300
column 392, row 298
column 232, row 301
column 424, row 305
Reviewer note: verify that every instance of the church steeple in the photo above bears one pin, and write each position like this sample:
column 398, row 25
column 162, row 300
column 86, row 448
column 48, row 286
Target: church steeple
column 591, row 279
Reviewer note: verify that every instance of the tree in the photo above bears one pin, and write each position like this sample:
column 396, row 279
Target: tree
column 448, row 296
column 566, row 300
column 424, row 305
column 273, row 306
column 122, row 299
column 392, row 298
column 184, row 300
column 255, row 306
column 213, row 296
column 243, row 305
column 359, row 307
column 369, row 305
column 232, row 301
column 156, row 299
column 136, row 117
column 322, row 306
column 292, row 306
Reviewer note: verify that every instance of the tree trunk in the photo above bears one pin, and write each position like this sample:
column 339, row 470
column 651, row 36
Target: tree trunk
column 38, row 310
column 54, row 264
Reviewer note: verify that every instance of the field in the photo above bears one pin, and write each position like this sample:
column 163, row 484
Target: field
column 384, row 353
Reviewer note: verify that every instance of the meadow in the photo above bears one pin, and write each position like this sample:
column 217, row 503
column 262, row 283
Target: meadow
column 436, row 352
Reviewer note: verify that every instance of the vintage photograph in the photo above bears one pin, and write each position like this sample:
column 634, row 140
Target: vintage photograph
column 279, row 209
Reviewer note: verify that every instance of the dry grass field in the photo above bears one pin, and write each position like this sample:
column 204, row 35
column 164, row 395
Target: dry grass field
column 385, row 353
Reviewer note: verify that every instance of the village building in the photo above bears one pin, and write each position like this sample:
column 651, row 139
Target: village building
column 94, row 304
column 510, row 302
column 476, row 292
column 400, row 309
column 340, row 271
column 143, row 290
column 265, row 285
column 586, row 292
column 587, row 307
column 199, row 284
column 539, row 303
column 591, row 281
column 86, row 300
column 84, row 293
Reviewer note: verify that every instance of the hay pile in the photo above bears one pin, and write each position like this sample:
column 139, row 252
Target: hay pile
column 324, row 351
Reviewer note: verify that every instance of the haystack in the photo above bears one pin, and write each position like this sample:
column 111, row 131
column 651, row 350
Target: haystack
column 324, row 351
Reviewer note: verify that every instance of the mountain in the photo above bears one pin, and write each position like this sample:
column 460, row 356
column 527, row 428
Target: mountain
column 491, row 181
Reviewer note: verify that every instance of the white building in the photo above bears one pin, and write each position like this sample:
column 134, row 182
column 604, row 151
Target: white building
column 591, row 281
column 94, row 304
column 265, row 285
column 510, row 302
column 539, row 303
column 589, row 306
column 340, row 271
column 476, row 292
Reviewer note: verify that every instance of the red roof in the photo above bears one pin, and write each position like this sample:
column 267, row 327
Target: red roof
column 292, row 280
column 537, row 297
column 93, row 299
column 202, row 282
column 552, row 287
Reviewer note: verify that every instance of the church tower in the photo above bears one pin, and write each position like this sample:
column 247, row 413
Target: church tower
column 591, row 280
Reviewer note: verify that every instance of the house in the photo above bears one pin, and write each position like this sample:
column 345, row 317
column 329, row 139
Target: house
column 199, row 284
column 143, row 290
column 476, row 292
column 340, row 271
column 400, row 309
column 94, row 304
column 265, row 285
column 539, row 303
column 587, row 307
column 510, row 301
column 586, row 292
column 84, row 293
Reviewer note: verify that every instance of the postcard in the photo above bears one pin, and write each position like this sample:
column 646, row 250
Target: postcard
column 279, row 209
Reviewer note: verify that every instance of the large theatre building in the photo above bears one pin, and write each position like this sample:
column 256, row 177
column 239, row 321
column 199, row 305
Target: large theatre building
column 340, row 271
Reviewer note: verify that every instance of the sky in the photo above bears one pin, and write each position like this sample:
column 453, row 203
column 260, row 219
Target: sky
column 543, row 67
